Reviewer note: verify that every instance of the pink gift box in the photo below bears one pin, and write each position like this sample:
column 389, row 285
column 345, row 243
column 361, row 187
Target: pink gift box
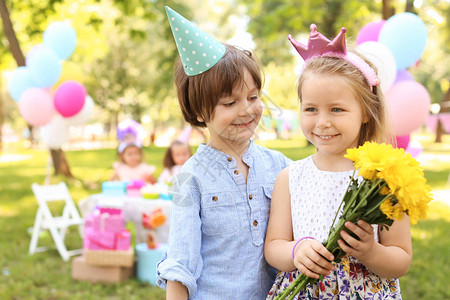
column 104, row 240
column 110, row 220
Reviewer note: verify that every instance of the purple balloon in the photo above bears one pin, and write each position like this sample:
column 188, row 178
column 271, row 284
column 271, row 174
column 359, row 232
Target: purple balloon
column 402, row 141
column 370, row 32
column 403, row 75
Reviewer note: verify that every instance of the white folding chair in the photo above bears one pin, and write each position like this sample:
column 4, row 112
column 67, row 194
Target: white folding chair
column 57, row 225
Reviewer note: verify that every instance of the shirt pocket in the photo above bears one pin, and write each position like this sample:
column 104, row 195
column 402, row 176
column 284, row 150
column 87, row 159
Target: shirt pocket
column 219, row 214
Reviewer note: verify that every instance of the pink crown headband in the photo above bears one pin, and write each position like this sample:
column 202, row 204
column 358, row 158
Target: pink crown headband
column 319, row 45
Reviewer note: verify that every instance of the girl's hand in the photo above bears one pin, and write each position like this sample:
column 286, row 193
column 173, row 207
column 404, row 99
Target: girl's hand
column 313, row 259
column 358, row 249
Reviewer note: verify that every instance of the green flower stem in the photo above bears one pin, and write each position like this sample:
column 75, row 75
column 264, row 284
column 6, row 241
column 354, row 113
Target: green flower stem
column 349, row 214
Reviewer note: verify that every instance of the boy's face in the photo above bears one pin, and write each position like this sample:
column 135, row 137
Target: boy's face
column 235, row 117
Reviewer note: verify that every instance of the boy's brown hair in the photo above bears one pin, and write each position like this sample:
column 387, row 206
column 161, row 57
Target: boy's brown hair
column 199, row 94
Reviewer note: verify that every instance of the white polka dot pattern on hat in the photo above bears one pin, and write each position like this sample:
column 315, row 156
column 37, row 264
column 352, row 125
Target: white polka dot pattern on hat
column 203, row 51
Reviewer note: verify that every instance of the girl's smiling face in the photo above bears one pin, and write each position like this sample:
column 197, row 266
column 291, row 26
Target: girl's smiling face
column 236, row 116
column 331, row 116
column 180, row 154
column 132, row 156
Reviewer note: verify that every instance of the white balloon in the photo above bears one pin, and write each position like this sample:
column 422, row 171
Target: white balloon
column 83, row 116
column 55, row 133
column 383, row 59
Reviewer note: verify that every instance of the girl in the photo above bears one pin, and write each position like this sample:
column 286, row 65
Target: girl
column 131, row 166
column 222, row 193
column 341, row 107
column 176, row 155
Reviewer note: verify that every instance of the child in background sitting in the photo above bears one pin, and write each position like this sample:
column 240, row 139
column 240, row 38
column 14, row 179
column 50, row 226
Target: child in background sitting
column 131, row 165
column 176, row 155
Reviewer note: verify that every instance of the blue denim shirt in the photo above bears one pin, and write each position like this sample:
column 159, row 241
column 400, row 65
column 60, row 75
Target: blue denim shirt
column 218, row 225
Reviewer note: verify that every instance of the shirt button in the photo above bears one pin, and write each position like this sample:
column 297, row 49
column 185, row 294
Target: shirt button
column 250, row 197
column 236, row 172
column 229, row 158
column 255, row 223
column 214, row 198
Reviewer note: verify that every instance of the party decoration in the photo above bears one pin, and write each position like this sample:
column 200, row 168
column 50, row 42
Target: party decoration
column 36, row 106
column 45, row 67
column 83, row 116
column 55, row 133
column 403, row 75
column 185, row 135
column 198, row 50
column 405, row 35
column 319, row 45
column 383, row 59
column 414, row 148
column 33, row 51
column 130, row 131
column 370, row 32
column 70, row 71
column 409, row 104
column 61, row 38
column 69, row 98
column 402, row 141
column 20, row 81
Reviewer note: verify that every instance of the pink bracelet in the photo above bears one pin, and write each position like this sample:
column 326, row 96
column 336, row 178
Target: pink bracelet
column 296, row 243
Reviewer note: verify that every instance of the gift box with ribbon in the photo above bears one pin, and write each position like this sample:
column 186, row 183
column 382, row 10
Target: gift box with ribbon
column 106, row 219
column 104, row 229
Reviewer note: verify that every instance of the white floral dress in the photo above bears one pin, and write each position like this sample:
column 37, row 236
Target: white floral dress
column 350, row 280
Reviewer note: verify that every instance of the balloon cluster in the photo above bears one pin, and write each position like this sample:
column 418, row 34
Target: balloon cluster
column 45, row 96
column 393, row 46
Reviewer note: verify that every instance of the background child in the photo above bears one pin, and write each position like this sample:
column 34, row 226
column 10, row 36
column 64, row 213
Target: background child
column 341, row 107
column 131, row 165
column 222, row 194
column 176, row 155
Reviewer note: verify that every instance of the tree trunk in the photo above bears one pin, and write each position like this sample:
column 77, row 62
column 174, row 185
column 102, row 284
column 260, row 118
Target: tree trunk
column 11, row 35
column 388, row 10
column 445, row 107
column 409, row 7
column 60, row 163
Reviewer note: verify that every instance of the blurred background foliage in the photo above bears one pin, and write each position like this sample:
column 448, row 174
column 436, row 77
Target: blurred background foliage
column 125, row 49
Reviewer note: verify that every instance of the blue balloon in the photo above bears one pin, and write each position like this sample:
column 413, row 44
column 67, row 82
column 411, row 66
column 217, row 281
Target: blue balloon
column 45, row 67
column 405, row 35
column 61, row 38
column 20, row 81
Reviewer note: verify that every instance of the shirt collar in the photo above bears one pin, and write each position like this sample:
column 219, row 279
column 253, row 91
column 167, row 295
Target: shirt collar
column 224, row 159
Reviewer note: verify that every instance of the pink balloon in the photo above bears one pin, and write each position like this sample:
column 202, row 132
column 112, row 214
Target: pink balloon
column 409, row 104
column 402, row 141
column 370, row 32
column 36, row 106
column 69, row 98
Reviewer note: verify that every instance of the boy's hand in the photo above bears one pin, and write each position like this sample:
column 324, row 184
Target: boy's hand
column 313, row 259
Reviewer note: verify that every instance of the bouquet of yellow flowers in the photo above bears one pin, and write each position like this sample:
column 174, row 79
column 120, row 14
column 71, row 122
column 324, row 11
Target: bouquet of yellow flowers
column 393, row 185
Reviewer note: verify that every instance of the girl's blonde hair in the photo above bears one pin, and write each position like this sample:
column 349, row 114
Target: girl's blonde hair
column 372, row 101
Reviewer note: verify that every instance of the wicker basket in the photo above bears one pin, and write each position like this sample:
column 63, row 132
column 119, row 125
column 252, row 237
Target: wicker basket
column 123, row 258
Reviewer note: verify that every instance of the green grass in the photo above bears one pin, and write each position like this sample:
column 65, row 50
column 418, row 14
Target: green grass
column 46, row 276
